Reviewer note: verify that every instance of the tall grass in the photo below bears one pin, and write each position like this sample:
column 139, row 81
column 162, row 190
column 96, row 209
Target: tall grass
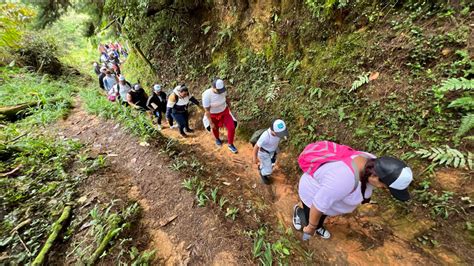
column 134, row 121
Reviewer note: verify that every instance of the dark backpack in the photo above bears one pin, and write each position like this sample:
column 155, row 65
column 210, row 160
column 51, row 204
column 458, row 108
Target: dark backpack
column 256, row 135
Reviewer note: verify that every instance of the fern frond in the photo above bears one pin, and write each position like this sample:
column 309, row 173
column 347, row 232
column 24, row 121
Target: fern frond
column 361, row 80
column 454, row 84
column 446, row 156
column 466, row 103
column 467, row 123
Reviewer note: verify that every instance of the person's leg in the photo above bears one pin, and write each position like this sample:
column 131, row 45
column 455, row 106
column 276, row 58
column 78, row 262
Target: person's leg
column 170, row 118
column 215, row 131
column 265, row 166
column 274, row 158
column 158, row 117
column 230, row 126
column 321, row 221
column 181, row 120
column 304, row 220
column 186, row 118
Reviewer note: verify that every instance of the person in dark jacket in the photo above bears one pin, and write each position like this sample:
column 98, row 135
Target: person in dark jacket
column 96, row 68
column 157, row 104
column 101, row 77
column 137, row 97
column 177, row 108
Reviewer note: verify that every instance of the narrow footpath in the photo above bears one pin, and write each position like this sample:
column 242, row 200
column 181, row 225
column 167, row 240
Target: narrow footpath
column 202, row 236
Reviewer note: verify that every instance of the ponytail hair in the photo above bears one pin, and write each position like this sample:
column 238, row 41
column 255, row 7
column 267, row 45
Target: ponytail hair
column 369, row 169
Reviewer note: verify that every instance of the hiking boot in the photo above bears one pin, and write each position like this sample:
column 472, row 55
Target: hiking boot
column 183, row 135
column 219, row 143
column 323, row 233
column 232, row 148
column 296, row 218
column 265, row 179
column 174, row 126
column 189, row 130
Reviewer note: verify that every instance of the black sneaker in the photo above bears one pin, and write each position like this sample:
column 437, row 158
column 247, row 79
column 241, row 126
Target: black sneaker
column 266, row 179
column 296, row 218
column 183, row 135
column 189, row 130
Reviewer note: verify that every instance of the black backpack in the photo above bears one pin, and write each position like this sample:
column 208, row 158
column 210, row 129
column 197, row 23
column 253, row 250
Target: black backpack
column 256, row 135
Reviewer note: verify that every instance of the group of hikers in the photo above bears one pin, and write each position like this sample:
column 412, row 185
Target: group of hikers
column 336, row 179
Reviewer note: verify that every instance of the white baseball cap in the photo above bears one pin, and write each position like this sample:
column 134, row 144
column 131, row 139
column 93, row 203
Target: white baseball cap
column 279, row 127
column 122, row 78
column 219, row 85
column 157, row 87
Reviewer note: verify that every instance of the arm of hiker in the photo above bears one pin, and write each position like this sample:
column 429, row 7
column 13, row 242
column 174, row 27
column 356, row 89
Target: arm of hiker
column 207, row 113
column 255, row 154
column 206, row 103
column 129, row 100
column 195, row 101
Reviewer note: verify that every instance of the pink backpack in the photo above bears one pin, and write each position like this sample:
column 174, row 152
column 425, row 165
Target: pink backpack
column 318, row 153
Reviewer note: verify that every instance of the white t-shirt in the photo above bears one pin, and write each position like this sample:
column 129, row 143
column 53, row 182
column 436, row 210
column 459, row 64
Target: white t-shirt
column 330, row 189
column 216, row 102
column 268, row 142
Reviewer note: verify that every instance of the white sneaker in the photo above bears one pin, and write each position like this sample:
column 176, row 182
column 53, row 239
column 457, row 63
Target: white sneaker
column 323, row 233
column 158, row 127
column 174, row 126
column 296, row 218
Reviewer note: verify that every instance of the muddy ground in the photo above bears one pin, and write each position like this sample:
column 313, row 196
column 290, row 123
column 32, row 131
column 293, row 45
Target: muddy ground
column 202, row 235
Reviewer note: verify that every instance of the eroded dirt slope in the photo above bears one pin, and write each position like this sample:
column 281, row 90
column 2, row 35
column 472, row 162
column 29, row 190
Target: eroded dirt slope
column 197, row 235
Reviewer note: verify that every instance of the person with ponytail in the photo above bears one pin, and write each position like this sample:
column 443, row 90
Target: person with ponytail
column 338, row 187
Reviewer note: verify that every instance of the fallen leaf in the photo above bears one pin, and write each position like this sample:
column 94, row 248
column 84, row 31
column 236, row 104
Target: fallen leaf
column 134, row 160
column 446, row 51
column 226, row 183
column 144, row 144
column 374, row 75
column 82, row 199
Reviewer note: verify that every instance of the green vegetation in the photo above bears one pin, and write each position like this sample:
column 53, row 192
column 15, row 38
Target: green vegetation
column 135, row 121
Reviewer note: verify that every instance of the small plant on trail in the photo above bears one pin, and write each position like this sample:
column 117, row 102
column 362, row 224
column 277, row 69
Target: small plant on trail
column 232, row 213
column 178, row 165
column 188, row 184
column 222, row 201
column 202, row 199
column 447, row 156
column 315, row 91
column 361, row 80
column 214, row 194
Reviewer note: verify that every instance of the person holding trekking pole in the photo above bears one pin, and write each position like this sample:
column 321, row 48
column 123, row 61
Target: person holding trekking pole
column 337, row 179
column 216, row 104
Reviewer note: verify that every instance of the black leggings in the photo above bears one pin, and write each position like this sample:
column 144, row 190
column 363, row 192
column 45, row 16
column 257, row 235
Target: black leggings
column 159, row 115
column 182, row 119
column 306, row 214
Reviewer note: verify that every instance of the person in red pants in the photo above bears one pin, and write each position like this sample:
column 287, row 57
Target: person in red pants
column 217, row 110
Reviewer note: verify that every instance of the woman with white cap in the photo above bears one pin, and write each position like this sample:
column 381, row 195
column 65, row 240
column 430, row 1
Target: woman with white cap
column 217, row 110
column 336, row 188
column 177, row 108
column 157, row 103
column 122, row 88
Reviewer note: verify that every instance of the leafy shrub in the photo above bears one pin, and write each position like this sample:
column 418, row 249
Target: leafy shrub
column 40, row 53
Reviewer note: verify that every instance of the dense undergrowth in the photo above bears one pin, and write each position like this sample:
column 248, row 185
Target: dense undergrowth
column 386, row 77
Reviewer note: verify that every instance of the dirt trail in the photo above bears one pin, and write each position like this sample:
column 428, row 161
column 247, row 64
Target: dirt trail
column 197, row 235
column 360, row 238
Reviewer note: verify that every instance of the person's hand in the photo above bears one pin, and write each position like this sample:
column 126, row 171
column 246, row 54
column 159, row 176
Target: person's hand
column 256, row 161
column 213, row 126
